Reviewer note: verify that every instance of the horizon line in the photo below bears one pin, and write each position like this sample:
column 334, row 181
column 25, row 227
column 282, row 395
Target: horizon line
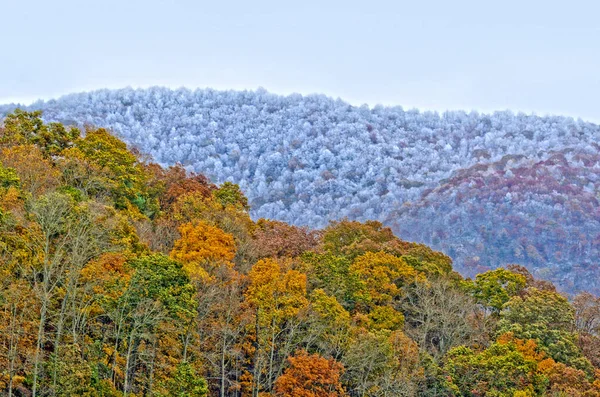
column 29, row 101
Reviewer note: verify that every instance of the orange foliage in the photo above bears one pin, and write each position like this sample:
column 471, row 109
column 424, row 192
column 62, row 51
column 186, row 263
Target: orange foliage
column 310, row 375
column 200, row 244
column 105, row 272
column 528, row 348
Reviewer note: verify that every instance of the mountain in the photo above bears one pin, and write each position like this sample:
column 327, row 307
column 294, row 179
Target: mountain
column 512, row 188
column 121, row 277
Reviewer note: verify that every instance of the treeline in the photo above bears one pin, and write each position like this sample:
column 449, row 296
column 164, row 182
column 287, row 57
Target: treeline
column 119, row 277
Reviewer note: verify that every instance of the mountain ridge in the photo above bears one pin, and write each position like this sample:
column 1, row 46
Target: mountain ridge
column 311, row 159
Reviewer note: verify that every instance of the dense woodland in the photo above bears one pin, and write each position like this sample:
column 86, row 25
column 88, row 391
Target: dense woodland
column 120, row 277
column 307, row 160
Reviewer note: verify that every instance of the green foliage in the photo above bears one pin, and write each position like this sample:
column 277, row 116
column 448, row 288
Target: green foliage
column 230, row 194
column 8, row 177
column 332, row 274
column 21, row 127
column 386, row 317
column 548, row 318
column 158, row 278
column 75, row 194
column 500, row 370
column 186, row 383
column 118, row 168
column 495, row 287
column 350, row 238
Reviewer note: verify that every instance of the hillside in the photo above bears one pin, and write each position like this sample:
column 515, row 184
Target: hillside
column 122, row 278
column 309, row 159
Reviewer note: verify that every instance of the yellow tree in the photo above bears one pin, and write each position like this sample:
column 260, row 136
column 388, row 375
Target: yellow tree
column 277, row 296
column 382, row 275
column 201, row 246
column 36, row 173
column 328, row 324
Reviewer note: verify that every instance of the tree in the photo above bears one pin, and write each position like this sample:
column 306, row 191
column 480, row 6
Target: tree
column 548, row 318
column 332, row 274
column 440, row 316
column 383, row 363
column 500, row 370
column 37, row 174
column 328, row 324
column 494, row 288
column 175, row 182
column 587, row 313
column 277, row 297
column 352, row 238
column 186, row 383
column 230, row 194
column 195, row 207
column 158, row 293
column 200, row 246
column 21, row 127
column 122, row 172
column 381, row 277
column 274, row 239
column 310, row 375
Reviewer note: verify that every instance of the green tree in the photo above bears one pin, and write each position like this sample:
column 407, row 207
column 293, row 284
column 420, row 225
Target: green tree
column 494, row 288
column 500, row 370
column 230, row 194
column 548, row 318
column 186, row 383
column 120, row 171
column 21, row 127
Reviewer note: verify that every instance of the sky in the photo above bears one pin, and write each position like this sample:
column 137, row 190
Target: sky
column 526, row 55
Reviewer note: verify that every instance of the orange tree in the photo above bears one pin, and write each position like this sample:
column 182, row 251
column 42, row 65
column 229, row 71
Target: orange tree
column 310, row 375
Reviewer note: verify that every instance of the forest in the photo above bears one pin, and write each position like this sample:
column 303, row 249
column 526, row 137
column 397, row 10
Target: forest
column 513, row 188
column 123, row 277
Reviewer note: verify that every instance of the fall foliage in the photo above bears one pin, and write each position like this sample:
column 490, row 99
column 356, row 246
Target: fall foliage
column 310, row 375
column 121, row 278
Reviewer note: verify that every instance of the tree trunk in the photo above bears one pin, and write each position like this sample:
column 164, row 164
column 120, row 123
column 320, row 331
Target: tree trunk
column 223, row 366
column 59, row 329
column 151, row 375
column 271, row 354
column 256, row 371
column 38, row 347
column 126, row 382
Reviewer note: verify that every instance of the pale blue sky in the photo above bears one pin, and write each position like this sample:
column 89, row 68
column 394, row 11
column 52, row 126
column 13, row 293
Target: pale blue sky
column 540, row 56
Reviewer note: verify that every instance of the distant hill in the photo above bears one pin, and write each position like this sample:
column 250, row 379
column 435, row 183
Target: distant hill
column 487, row 189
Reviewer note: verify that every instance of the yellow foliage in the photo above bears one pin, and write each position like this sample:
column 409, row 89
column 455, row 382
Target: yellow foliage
column 276, row 293
column 382, row 275
column 11, row 199
column 195, row 206
column 386, row 317
column 37, row 174
column 523, row 393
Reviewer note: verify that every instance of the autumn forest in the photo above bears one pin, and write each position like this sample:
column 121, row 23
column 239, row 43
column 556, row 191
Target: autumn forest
column 120, row 277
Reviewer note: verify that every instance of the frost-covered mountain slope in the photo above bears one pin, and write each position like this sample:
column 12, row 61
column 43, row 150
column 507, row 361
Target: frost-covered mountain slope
column 309, row 159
